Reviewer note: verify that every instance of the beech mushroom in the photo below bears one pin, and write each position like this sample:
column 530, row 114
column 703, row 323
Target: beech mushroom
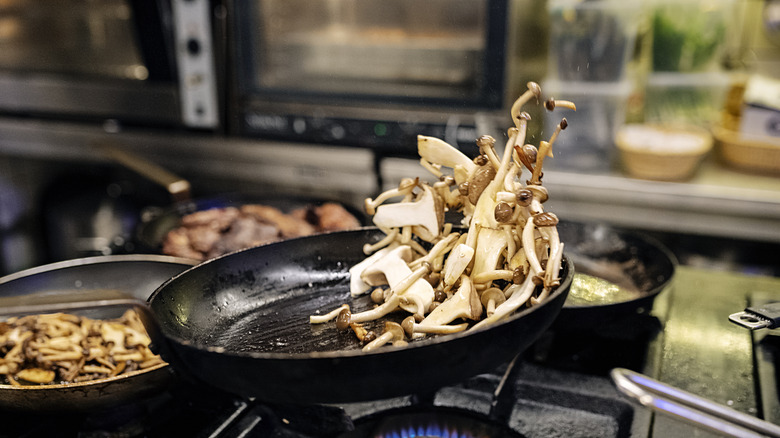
column 404, row 188
column 393, row 332
column 415, row 330
column 491, row 298
column 439, row 275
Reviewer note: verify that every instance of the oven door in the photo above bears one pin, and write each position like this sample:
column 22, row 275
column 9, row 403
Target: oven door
column 134, row 61
column 347, row 71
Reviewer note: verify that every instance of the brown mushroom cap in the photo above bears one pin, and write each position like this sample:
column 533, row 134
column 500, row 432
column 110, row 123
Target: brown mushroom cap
column 395, row 329
column 343, row 319
column 482, row 177
column 546, row 219
column 503, row 212
column 540, row 192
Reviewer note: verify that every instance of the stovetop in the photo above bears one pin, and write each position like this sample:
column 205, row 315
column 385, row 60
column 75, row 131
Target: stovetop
column 560, row 387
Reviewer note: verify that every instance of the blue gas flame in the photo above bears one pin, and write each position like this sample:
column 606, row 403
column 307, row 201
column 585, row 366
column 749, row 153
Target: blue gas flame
column 429, row 431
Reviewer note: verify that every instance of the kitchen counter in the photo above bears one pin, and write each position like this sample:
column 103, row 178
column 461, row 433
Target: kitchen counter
column 718, row 202
column 701, row 352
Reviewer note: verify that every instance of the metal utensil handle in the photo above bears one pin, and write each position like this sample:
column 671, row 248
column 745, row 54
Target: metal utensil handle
column 178, row 187
column 689, row 407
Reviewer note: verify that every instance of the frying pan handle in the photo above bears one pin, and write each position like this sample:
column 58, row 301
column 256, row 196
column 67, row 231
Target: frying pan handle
column 177, row 187
column 689, row 407
column 65, row 301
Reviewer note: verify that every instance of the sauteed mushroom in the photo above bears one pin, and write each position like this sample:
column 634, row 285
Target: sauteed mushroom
column 53, row 348
column 509, row 257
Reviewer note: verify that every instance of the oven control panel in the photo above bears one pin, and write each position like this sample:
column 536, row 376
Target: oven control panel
column 195, row 60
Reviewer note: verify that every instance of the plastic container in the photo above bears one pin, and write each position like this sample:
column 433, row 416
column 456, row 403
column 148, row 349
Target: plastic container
column 591, row 40
column 587, row 144
column 695, row 98
column 689, row 35
column 662, row 152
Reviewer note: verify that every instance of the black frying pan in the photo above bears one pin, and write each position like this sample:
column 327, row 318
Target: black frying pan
column 240, row 323
column 135, row 275
column 630, row 259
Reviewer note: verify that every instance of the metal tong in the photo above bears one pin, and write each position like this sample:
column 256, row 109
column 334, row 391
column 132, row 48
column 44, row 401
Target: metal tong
column 690, row 408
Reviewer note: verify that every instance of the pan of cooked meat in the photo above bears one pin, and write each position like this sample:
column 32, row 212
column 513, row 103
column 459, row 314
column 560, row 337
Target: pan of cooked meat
column 205, row 228
column 202, row 228
column 88, row 360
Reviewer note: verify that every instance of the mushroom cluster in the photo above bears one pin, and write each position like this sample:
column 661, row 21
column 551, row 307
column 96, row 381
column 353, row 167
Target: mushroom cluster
column 65, row 348
column 506, row 256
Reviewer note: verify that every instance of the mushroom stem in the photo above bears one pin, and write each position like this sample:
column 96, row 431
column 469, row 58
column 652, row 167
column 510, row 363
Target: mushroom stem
column 529, row 245
column 496, row 274
column 533, row 91
column 545, row 150
column 520, row 295
column 390, row 236
column 416, row 330
column 321, row 319
column 404, row 188
column 383, row 309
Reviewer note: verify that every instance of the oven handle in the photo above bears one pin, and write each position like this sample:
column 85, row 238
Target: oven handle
column 689, row 407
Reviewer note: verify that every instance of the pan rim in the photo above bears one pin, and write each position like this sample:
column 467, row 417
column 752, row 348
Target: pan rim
column 87, row 383
column 95, row 260
column 563, row 288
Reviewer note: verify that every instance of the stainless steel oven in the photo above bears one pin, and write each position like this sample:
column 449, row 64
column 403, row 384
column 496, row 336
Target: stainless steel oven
column 137, row 62
column 368, row 73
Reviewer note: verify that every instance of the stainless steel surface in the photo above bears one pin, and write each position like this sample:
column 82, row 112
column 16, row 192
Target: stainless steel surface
column 73, row 37
column 428, row 49
column 89, row 98
column 689, row 407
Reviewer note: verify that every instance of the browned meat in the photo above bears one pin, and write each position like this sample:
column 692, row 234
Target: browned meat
column 289, row 226
column 335, row 217
column 245, row 232
column 219, row 218
column 211, row 233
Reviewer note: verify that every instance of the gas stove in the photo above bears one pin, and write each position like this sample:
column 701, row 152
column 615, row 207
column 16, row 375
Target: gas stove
column 560, row 387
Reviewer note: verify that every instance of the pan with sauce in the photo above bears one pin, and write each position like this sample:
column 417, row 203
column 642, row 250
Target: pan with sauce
column 588, row 290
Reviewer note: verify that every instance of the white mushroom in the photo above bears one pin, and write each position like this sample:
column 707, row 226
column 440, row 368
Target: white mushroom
column 357, row 286
column 438, row 151
column 425, row 214
column 462, row 304
column 457, row 262
column 415, row 294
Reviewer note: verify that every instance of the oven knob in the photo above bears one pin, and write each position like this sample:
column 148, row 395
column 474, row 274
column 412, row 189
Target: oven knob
column 337, row 132
column 193, row 47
